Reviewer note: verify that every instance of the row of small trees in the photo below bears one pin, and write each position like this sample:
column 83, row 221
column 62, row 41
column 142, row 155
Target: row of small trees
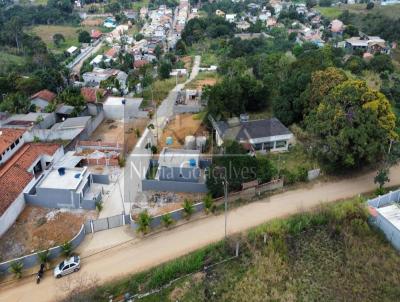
column 17, row 267
column 144, row 218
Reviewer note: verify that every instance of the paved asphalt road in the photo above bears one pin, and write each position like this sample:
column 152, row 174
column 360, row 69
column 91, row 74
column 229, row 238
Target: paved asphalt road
column 135, row 256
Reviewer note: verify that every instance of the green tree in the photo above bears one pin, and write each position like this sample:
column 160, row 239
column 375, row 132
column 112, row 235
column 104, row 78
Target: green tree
column 43, row 257
column 84, row 37
column 381, row 63
column 265, row 170
column 165, row 70
column 143, row 222
column 370, row 5
column 58, row 39
column 351, row 126
column 15, row 103
column 351, row 30
column 181, row 48
column 209, row 205
column 139, row 37
column 382, row 177
column 158, row 51
column 355, row 64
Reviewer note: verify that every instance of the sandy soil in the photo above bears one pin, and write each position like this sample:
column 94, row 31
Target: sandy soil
column 188, row 61
column 38, row 228
column 180, row 127
column 118, row 132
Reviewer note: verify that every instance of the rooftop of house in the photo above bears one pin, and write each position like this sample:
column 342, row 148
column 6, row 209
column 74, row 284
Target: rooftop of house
column 14, row 175
column 96, row 34
column 44, row 94
column 111, row 53
column 68, row 179
column 140, row 63
column 336, row 26
column 92, row 95
column 75, row 122
column 245, row 130
column 118, row 101
column 178, row 158
column 365, row 40
column 8, row 136
column 391, row 213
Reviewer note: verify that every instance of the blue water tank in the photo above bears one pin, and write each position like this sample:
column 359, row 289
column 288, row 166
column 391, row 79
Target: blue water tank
column 77, row 175
column 192, row 162
column 169, row 140
column 61, row 171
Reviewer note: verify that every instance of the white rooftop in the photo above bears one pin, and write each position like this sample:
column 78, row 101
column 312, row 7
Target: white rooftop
column 392, row 214
column 70, row 180
column 117, row 101
column 178, row 157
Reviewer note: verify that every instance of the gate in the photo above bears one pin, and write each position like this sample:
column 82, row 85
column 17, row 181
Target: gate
column 105, row 223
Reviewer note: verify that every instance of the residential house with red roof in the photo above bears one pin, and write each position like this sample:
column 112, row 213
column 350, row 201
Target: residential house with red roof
column 10, row 141
column 42, row 99
column 19, row 173
column 96, row 34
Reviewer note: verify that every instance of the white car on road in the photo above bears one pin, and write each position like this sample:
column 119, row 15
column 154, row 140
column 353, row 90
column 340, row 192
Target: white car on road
column 68, row 266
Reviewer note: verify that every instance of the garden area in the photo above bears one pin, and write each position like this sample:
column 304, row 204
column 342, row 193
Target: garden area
column 334, row 244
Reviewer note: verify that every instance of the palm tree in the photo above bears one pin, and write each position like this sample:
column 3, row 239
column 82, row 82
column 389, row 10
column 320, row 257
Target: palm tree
column 167, row 220
column 16, row 268
column 209, row 205
column 143, row 222
column 66, row 248
column 44, row 256
column 188, row 208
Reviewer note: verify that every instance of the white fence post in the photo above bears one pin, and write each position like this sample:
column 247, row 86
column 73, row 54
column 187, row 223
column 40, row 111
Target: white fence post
column 123, row 218
column 91, row 225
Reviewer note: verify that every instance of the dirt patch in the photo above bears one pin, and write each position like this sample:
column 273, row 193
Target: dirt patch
column 92, row 22
column 187, row 60
column 38, row 228
column 118, row 132
column 208, row 81
column 180, row 127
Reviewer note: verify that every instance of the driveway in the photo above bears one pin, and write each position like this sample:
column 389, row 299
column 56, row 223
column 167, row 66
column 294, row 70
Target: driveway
column 134, row 256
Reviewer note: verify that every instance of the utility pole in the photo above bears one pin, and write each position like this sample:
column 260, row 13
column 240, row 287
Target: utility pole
column 226, row 204
column 155, row 109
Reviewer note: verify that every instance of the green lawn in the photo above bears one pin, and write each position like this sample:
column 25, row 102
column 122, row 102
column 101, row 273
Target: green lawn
column 161, row 88
column 330, row 254
column 329, row 12
column 390, row 11
column 8, row 60
column 137, row 5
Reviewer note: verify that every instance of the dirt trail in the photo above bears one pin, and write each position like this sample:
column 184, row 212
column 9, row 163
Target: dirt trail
column 134, row 256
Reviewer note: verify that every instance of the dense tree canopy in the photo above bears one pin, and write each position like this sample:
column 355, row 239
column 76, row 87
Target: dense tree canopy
column 352, row 126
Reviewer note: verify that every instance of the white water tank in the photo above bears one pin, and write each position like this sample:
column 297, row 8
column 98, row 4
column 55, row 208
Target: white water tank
column 190, row 142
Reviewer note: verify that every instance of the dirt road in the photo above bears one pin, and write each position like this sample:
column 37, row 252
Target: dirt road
column 132, row 257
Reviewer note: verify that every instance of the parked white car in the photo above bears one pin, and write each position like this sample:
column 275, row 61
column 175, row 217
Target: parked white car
column 68, row 266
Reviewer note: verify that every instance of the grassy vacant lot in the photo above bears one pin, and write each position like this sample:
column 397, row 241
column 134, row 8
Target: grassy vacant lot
column 203, row 79
column 390, row 11
column 161, row 88
column 331, row 254
column 70, row 33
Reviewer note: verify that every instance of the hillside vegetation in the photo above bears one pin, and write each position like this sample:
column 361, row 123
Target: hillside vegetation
column 332, row 254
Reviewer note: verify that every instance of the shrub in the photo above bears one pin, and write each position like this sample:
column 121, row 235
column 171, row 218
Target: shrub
column 66, row 248
column 143, row 222
column 188, row 208
column 16, row 268
column 380, row 191
column 43, row 256
column 209, row 205
column 99, row 205
column 121, row 161
column 302, row 174
column 167, row 220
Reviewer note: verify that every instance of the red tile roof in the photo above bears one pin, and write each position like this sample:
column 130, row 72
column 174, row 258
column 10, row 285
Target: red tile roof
column 89, row 94
column 140, row 63
column 111, row 53
column 96, row 34
column 8, row 136
column 14, row 176
column 44, row 94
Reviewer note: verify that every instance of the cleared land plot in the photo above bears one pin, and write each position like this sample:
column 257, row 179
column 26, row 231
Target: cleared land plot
column 70, row 33
column 38, row 228
column 203, row 79
column 161, row 89
column 180, row 127
column 118, row 132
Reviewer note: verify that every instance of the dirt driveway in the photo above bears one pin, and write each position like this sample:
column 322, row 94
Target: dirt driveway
column 132, row 257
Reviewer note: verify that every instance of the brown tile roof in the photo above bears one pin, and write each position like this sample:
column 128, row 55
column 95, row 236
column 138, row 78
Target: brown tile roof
column 96, row 34
column 89, row 94
column 111, row 53
column 14, row 176
column 8, row 136
column 44, row 94
column 140, row 63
